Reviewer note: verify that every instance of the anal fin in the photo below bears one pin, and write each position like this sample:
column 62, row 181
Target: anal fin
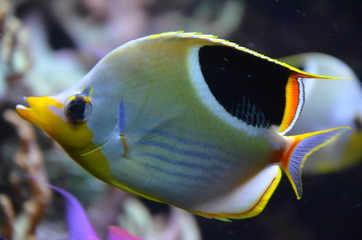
column 246, row 201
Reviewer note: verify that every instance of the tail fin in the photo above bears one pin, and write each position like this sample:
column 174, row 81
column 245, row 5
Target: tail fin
column 301, row 146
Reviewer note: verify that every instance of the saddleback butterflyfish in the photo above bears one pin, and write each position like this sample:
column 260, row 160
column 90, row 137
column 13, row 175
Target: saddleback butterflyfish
column 185, row 119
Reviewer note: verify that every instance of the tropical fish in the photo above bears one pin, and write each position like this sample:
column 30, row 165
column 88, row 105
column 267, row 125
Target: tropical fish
column 330, row 103
column 185, row 119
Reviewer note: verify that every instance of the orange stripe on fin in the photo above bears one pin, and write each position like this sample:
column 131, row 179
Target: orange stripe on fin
column 300, row 148
column 294, row 99
column 294, row 94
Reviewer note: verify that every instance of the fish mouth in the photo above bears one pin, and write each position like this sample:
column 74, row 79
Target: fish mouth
column 24, row 111
column 39, row 110
column 47, row 114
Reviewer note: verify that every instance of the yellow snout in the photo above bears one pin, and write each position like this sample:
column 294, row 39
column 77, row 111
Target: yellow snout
column 48, row 114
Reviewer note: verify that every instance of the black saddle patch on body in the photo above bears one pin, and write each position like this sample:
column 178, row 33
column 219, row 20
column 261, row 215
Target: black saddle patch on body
column 248, row 87
column 357, row 124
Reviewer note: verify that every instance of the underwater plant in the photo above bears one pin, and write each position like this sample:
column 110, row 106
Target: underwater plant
column 79, row 225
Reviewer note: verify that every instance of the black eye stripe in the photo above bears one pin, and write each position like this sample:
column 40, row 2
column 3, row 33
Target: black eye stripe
column 78, row 109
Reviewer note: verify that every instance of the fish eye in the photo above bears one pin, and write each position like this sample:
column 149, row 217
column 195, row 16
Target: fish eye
column 78, row 108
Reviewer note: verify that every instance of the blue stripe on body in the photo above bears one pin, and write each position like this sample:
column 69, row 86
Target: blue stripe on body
column 184, row 152
column 177, row 174
column 175, row 162
column 188, row 141
column 121, row 118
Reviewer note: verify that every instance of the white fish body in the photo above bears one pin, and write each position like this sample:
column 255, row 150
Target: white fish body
column 185, row 119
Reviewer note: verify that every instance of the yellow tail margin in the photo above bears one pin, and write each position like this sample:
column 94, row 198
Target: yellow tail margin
column 300, row 148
